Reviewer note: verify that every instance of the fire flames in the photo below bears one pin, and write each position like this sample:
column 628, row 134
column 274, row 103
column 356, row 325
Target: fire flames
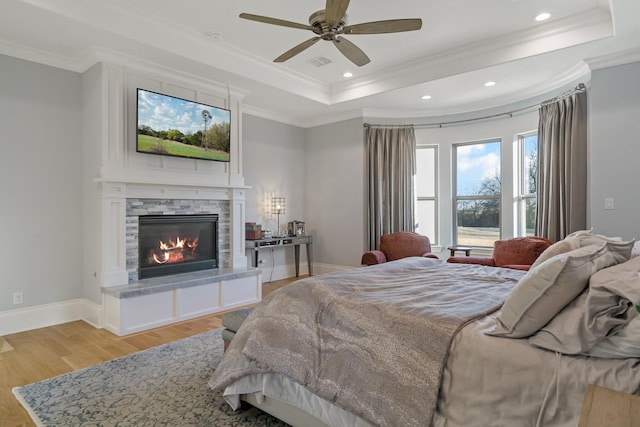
column 175, row 250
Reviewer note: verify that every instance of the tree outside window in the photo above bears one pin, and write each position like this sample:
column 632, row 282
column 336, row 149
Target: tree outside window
column 477, row 192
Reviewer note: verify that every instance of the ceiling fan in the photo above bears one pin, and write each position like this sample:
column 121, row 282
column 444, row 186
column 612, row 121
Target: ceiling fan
column 330, row 23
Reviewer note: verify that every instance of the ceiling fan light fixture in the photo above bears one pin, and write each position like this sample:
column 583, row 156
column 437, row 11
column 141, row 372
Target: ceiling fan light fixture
column 331, row 23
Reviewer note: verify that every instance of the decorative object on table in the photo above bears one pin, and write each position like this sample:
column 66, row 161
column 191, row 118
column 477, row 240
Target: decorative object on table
column 266, row 234
column 252, row 231
column 296, row 228
column 284, row 231
column 277, row 208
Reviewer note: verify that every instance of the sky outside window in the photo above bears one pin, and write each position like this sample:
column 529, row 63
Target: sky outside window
column 475, row 163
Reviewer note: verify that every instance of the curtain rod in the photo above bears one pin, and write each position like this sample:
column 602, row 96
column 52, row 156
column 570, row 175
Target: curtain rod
column 579, row 88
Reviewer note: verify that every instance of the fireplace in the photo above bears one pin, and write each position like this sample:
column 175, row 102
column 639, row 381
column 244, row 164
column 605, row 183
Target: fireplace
column 171, row 244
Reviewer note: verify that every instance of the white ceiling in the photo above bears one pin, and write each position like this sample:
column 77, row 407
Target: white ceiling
column 462, row 44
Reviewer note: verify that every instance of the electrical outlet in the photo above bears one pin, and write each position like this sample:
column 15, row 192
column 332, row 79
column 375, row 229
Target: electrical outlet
column 260, row 261
column 18, row 298
column 608, row 203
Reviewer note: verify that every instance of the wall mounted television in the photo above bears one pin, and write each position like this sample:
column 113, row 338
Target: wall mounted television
column 178, row 127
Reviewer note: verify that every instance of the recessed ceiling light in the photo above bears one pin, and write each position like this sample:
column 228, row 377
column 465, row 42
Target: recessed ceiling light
column 487, row 84
column 347, row 74
column 426, row 97
column 543, row 16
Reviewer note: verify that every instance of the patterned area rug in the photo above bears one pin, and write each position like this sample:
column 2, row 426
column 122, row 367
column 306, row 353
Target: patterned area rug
column 161, row 386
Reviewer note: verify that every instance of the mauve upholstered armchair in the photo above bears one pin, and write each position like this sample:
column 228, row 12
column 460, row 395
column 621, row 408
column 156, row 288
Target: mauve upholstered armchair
column 399, row 245
column 518, row 253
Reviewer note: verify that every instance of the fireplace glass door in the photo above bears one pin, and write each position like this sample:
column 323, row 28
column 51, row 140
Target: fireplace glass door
column 171, row 244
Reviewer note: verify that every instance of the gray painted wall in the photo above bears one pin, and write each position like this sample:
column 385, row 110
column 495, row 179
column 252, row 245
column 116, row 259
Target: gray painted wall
column 40, row 183
column 274, row 163
column 614, row 110
column 335, row 192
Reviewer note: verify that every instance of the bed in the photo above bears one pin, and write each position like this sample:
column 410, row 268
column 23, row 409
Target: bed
column 419, row 342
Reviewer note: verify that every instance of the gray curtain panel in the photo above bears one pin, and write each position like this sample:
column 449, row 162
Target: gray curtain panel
column 391, row 166
column 562, row 167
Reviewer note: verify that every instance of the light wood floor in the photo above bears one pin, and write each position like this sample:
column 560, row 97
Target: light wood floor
column 35, row 355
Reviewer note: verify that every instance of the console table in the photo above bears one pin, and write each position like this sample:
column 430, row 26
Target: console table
column 278, row 242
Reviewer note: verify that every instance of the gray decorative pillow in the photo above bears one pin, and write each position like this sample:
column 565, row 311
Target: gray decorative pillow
column 598, row 313
column 546, row 289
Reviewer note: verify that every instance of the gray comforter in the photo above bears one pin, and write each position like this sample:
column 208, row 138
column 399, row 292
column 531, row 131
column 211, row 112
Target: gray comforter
column 371, row 340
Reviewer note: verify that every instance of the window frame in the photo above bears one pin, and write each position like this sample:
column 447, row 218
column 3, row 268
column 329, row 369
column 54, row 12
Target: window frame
column 455, row 198
column 435, row 239
column 521, row 197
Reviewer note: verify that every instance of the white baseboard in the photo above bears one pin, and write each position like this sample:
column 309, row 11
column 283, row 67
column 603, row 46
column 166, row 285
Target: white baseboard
column 280, row 272
column 329, row 268
column 26, row 319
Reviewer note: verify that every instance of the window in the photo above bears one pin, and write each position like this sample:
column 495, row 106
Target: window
column 527, row 180
column 426, row 185
column 477, row 189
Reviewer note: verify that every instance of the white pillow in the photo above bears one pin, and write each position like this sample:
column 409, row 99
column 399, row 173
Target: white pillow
column 587, row 238
column 549, row 287
column 557, row 248
column 573, row 241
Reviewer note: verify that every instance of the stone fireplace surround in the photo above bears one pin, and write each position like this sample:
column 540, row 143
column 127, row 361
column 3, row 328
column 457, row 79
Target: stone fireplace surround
column 132, row 305
column 139, row 207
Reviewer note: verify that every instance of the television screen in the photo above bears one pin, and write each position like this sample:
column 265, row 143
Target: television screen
column 177, row 127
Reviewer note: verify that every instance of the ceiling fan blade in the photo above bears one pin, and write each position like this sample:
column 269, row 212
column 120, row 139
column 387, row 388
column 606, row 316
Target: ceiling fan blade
column 351, row 51
column 296, row 49
column 334, row 11
column 383, row 27
column 275, row 21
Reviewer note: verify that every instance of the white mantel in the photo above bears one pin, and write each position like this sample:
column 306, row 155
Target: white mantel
column 122, row 173
column 114, row 173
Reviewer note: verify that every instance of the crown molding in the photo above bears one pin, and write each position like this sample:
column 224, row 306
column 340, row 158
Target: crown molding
column 577, row 74
column 271, row 115
column 27, row 53
column 614, row 59
column 589, row 26
column 128, row 22
column 183, row 43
